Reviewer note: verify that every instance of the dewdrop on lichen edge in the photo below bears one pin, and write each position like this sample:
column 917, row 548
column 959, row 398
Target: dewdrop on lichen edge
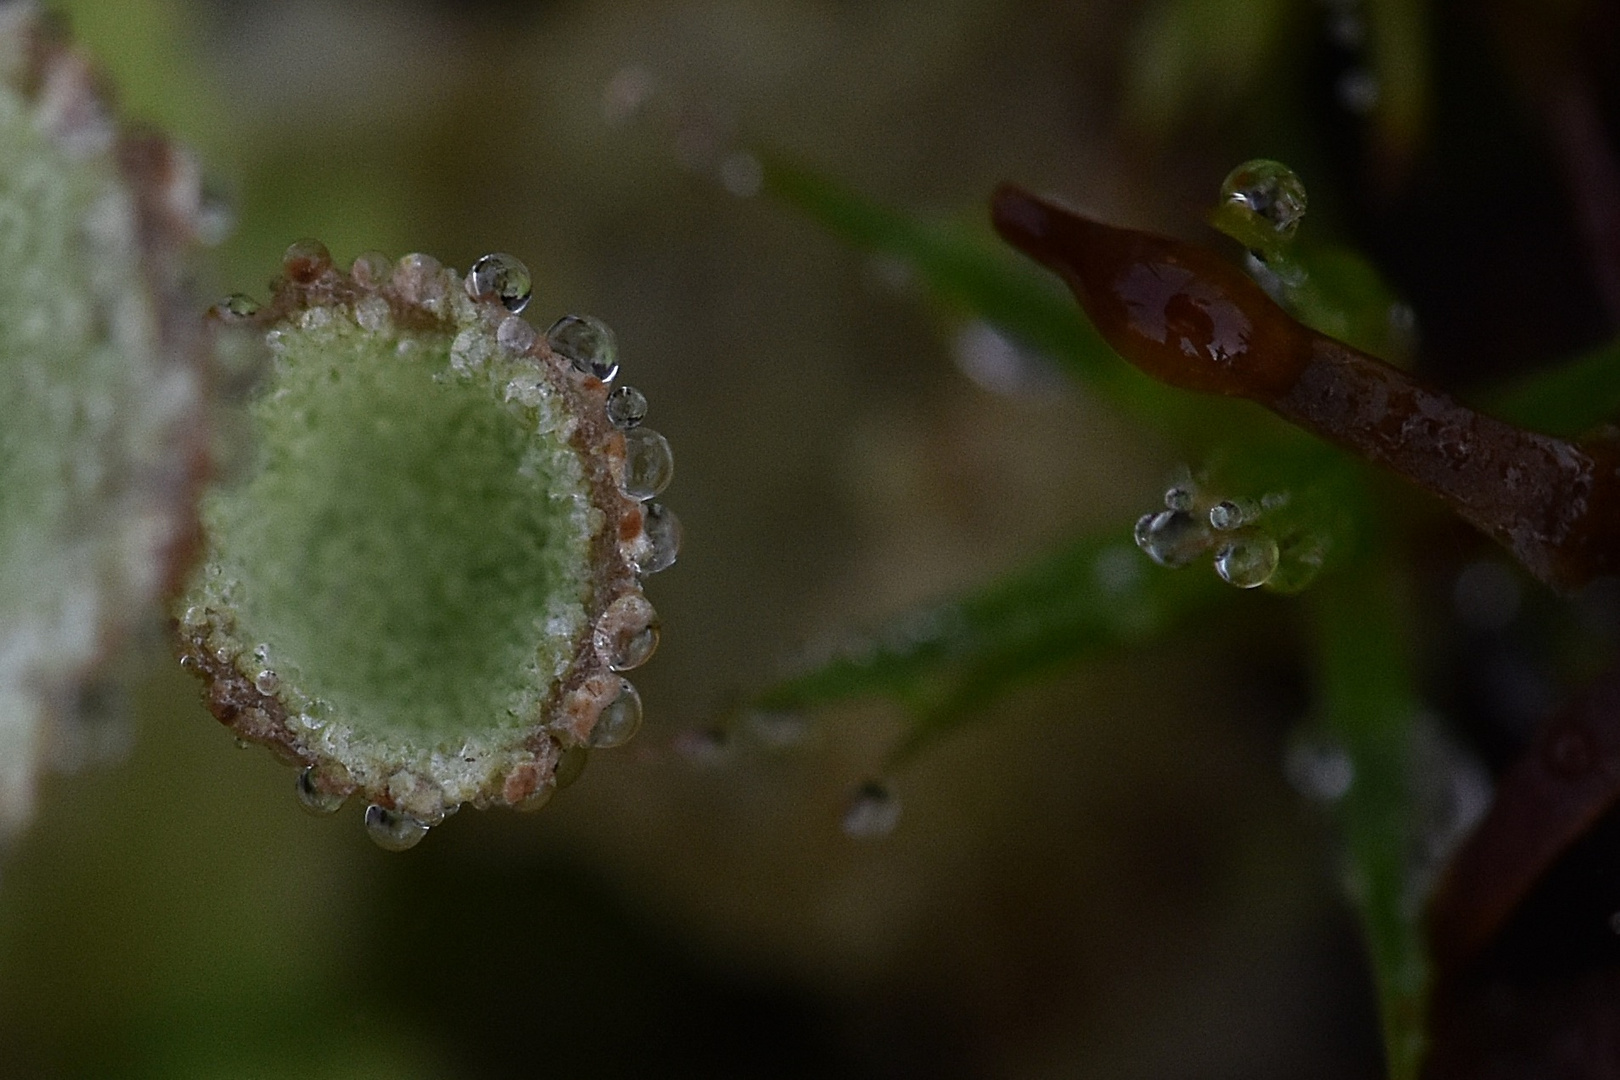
column 417, row 420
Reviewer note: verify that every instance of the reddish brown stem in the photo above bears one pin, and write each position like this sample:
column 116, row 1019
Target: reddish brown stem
column 1569, row 778
column 1187, row 317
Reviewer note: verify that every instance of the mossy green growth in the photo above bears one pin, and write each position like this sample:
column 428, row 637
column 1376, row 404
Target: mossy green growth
column 416, row 551
column 422, row 585
column 100, row 399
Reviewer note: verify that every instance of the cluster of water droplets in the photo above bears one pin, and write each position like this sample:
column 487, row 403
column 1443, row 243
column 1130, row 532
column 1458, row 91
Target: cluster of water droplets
column 1246, row 555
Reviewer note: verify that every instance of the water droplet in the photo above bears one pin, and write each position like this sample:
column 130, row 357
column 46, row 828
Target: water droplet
column 371, row 269
column 570, row 765
column 1172, row 538
column 420, row 280
column 1319, row 769
column 195, row 615
column 873, row 812
column 1249, row 562
column 542, row 795
column 586, row 342
column 502, row 276
column 266, row 681
column 649, row 465
column 626, row 407
column 1179, row 498
column 628, row 633
column 636, row 650
column 1229, row 514
column 663, row 531
column 620, row 721
column 235, row 307
column 515, row 335
column 392, row 830
column 1267, row 190
column 306, row 260
column 315, row 800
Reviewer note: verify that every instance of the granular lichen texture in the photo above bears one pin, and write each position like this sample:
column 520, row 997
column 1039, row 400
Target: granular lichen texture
column 101, row 392
column 426, row 584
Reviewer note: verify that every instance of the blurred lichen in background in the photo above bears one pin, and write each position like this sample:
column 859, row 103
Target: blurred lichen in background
column 1106, row 873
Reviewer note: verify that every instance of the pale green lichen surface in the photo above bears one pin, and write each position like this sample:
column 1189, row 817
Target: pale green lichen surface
column 88, row 410
column 411, row 552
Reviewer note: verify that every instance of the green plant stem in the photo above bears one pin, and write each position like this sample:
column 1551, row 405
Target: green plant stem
column 1369, row 707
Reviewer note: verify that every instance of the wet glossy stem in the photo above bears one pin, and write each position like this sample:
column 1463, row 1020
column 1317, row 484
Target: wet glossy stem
column 1185, row 316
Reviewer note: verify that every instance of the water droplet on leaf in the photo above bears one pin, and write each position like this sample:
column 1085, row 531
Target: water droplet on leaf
column 649, row 464
column 266, row 681
column 1247, row 563
column 502, row 276
column 873, row 812
column 1232, row 514
column 586, row 342
column 1172, row 538
column 1179, row 498
column 392, row 830
column 626, row 407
